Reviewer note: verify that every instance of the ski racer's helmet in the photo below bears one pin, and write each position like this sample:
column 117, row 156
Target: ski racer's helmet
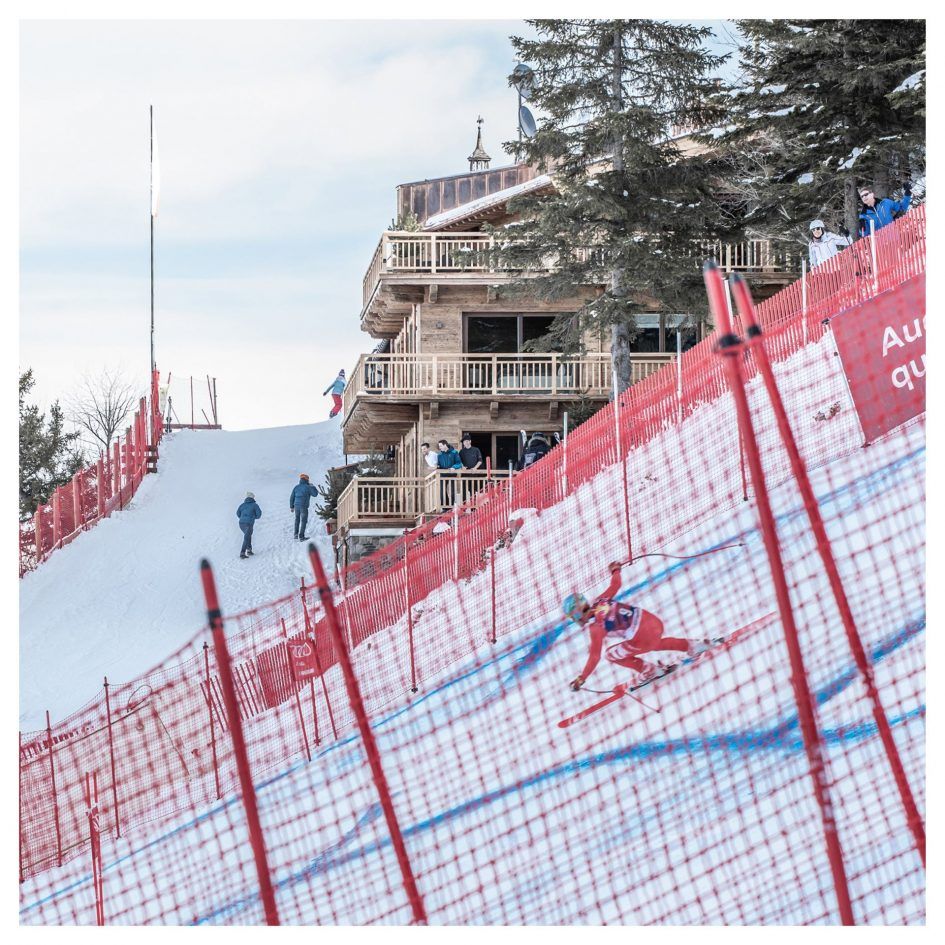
column 574, row 604
column 817, row 225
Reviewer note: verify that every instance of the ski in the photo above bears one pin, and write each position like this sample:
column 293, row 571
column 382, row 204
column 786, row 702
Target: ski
column 624, row 689
column 619, row 692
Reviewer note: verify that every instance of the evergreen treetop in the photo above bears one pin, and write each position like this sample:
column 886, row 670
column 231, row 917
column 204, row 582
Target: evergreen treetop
column 822, row 107
column 49, row 456
column 629, row 204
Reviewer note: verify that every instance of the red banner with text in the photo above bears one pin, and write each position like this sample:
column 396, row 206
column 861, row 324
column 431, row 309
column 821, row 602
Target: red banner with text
column 882, row 348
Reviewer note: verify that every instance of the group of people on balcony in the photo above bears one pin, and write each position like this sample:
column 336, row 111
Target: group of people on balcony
column 874, row 215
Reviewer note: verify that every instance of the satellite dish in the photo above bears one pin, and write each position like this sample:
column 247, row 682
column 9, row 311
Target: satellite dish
column 526, row 122
column 523, row 78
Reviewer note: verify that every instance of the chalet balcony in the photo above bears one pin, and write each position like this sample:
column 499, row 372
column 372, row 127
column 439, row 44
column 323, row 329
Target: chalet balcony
column 405, row 501
column 405, row 261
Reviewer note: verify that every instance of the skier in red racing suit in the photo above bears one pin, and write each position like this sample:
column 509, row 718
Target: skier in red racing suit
column 637, row 630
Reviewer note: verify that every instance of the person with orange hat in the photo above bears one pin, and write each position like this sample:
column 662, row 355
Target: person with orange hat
column 299, row 498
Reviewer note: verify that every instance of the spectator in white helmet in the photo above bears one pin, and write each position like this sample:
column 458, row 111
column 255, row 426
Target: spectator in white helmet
column 823, row 244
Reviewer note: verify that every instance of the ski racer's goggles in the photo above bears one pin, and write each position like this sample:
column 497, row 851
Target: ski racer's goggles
column 574, row 604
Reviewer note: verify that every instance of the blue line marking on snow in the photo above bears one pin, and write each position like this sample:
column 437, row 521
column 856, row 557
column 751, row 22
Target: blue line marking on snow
column 872, row 484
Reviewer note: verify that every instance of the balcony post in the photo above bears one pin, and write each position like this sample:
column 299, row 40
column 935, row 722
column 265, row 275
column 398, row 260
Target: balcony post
column 385, row 254
column 495, row 374
column 433, row 252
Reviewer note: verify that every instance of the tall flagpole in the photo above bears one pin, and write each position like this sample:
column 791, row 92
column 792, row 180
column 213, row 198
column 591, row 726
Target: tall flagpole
column 151, row 216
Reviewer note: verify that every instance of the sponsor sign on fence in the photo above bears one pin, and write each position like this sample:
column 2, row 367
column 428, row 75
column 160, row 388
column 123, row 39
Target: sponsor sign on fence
column 882, row 348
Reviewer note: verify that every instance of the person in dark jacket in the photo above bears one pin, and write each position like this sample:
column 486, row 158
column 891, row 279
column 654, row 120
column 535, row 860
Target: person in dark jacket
column 881, row 212
column 247, row 514
column 447, row 460
column 470, row 456
column 537, row 447
column 299, row 498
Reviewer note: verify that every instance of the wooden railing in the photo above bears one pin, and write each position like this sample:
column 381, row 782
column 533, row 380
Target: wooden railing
column 548, row 375
column 381, row 498
column 432, row 253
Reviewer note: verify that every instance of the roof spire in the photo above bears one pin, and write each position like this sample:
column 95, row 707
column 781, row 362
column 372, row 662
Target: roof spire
column 479, row 160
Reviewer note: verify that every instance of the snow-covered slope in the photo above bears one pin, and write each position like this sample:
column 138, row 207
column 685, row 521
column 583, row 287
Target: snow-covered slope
column 122, row 597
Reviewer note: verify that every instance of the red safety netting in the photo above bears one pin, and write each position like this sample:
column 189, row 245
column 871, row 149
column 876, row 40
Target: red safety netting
column 97, row 491
column 689, row 801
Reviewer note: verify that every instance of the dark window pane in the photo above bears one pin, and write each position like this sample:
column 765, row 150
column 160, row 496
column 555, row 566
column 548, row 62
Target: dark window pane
column 646, row 341
column 485, row 335
column 534, row 326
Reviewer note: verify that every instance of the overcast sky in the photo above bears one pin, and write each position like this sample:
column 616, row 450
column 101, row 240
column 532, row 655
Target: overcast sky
column 280, row 143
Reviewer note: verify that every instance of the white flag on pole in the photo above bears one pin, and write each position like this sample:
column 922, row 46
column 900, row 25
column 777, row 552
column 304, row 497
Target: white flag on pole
column 155, row 171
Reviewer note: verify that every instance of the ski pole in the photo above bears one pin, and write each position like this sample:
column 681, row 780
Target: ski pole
column 661, row 554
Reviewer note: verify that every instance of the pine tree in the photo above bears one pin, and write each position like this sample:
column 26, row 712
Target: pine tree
column 337, row 480
column 629, row 204
column 48, row 455
column 822, row 108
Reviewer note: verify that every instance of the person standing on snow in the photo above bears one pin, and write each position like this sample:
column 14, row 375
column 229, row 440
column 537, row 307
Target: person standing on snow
column 336, row 388
column 299, row 498
column 632, row 630
column 247, row 514
column 881, row 212
column 823, row 244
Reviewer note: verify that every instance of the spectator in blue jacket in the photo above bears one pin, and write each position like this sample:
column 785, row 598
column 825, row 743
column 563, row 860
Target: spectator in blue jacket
column 447, row 460
column 247, row 514
column 336, row 388
column 299, row 498
column 881, row 212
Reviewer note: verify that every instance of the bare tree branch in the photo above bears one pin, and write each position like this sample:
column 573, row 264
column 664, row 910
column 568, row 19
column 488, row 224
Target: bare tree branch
column 100, row 407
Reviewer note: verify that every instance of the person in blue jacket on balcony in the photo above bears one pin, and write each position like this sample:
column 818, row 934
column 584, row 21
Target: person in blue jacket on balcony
column 299, row 498
column 447, row 460
column 881, row 212
column 247, row 514
column 336, row 388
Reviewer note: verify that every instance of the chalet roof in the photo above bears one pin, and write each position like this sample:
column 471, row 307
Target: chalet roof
column 476, row 211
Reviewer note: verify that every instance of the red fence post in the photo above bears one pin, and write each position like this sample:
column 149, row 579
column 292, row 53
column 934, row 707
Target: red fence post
column 111, row 757
column 38, row 533
column 295, row 686
column 756, row 344
column 247, row 789
column 52, row 778
column 367, row 737
column 95, row 844
column 100, row 487
column 413, row 663
column 213, row 733
column 730, row 347
column 310, row 631
column 77, row 502
column 493, row 551
column 116, row 469
column 57, row 519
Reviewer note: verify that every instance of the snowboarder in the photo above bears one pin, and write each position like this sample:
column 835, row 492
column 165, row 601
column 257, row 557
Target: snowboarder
column 823, row 244
column 337, row 388
column 247, row 514
column 299, row 498
column 637, row 630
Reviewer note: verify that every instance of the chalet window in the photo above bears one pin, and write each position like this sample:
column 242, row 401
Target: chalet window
column 503, row 333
